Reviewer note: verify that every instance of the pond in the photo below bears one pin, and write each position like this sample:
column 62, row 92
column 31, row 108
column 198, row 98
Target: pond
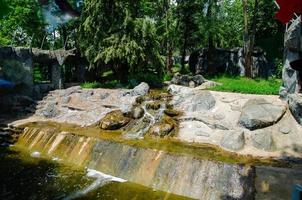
column 25, row 177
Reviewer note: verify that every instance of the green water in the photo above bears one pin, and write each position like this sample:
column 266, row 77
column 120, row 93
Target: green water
column 24, row 177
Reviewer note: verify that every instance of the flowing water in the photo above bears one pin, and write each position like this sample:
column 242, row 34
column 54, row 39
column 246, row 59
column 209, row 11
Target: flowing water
column 25, row 177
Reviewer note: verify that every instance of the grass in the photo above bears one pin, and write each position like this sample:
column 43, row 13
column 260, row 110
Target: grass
column 248, row 86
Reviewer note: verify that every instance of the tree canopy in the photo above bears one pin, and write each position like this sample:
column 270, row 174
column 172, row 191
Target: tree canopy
column 141, row 36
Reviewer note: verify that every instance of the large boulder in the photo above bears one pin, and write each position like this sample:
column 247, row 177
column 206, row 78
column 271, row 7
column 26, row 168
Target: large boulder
column 233, row 140
column 295, row 105
column 258, row 113
column 114, row 121
column 292, row 52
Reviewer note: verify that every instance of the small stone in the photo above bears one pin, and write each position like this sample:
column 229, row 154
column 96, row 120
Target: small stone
column 161, row 129
column 65, row 100
column 171, row 112
column 138, row 112
column 104, row 96
column 285, row 130
column 153, row 105
column 192, row 84
column 114, row 121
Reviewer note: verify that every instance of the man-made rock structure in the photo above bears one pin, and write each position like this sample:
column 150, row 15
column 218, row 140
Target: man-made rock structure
column 86, row 107
column 182, row 175
column 257, row 125
column 166, row 152
column 17, row 64
column 229, row 62
column 246, row 124
column 293, row 49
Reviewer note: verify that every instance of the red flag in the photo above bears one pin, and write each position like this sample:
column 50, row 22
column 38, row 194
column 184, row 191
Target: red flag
column 287, row 9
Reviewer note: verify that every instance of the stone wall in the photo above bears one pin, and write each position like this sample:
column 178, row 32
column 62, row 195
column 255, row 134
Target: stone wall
column 230, row 61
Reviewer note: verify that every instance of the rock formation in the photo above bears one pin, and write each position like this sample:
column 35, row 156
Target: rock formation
column 229, row 62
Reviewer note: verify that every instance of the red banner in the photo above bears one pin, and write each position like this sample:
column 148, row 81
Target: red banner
column 287, row 9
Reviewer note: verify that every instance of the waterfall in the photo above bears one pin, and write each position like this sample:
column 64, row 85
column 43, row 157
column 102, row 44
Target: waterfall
column 178, row 174
column 154, row 118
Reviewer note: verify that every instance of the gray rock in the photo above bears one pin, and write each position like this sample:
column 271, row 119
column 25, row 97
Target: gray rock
column 295, row 105
column 137, row 112
column 199, row 79
column 71, row 90
column 262, row 140
column 292, row 52
column 50, row 110
column 186, row 80
column 203, row 100
column 87, row 93
column 114, row 121
column 258, row 113
column 65, row 100
column 104, row 96
column 285, row 130
column 140, row 90
column 233, row 140
column 161, row 129
column 229, row 61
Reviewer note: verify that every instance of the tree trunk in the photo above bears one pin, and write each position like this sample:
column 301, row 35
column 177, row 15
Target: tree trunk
column 211, row 47
column 169, row 61
column 184, row 53
column 249, row 38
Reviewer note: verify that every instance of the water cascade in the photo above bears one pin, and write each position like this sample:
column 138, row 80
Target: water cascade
column 177, row 174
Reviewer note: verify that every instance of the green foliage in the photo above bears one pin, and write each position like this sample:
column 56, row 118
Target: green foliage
column 95, row 84
column 91, row 85
column 23, row 23
column 168, row 77
column 248, row 86
column 279, row 67
column 37, row 74
column 127, row 40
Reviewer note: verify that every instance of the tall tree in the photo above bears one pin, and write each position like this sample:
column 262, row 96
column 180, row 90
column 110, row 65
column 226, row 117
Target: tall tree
column 120, row 35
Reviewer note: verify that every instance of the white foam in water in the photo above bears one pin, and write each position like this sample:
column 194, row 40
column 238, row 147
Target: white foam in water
column 96, row 174
column 35, row 154
column 101, row 180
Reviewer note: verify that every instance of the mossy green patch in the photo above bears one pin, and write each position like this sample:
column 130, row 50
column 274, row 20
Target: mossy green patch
column 170, row 145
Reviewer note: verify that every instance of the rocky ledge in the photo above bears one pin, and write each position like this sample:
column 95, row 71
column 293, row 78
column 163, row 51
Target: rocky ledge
column 257, row 125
